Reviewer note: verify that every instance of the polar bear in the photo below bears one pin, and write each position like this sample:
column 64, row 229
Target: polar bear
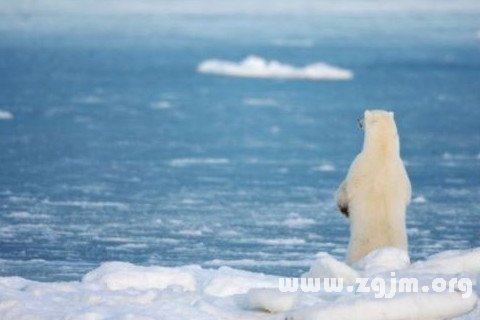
column 377, row 190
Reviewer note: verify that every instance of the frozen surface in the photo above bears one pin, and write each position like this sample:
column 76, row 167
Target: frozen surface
column 257, row 67
column 124, row 291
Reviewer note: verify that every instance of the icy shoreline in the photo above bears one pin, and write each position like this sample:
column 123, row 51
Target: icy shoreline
column 119, row 290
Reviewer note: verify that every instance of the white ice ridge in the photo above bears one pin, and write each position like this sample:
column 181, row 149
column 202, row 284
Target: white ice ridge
column 119, row 290
column 258, row 67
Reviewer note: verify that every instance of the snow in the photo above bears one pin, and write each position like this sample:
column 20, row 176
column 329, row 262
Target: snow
column 414, row 306
column 327, row 266
column 450, row 262
column 258, row 67
column 384, row 260
column 270, row 300
column 121, row 275
column 120, row 290
column 227, row 282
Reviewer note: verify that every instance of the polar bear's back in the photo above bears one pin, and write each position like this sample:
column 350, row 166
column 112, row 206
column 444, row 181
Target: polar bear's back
column 379, row 191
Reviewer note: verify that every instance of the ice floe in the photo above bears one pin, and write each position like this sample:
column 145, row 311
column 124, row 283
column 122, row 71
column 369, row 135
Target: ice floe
column 326, row 167
column 6, row 115
column 161, row 105
column 260, row 102
column 419, row 199
column 185, row 162
column 258, row 67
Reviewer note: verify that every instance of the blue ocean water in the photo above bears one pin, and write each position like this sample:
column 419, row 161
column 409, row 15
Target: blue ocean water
column 120, row 150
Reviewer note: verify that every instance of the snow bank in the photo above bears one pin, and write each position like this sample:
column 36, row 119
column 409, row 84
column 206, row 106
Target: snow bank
column 118, row 290
column 327, row 266
column 270, row 300
column 122, row 275
column 227, row 282
column 257, row 67
column 450, row 262
column 412, row 306
column 387, row 259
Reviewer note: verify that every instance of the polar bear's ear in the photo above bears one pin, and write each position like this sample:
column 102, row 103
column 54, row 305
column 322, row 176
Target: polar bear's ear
column 367, row 114
column 391, row 114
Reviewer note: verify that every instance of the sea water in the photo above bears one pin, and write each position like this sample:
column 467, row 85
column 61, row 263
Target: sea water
column 116, row 148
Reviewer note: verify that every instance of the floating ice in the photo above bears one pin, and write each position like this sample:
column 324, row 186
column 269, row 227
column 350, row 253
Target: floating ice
column 190, row 232
column 185, row 162
column 26, row 215
column 281, row 241
column 326, row 167
column 257, row 67
column 161, row 105
column 298, row 222
column 260, row 102
column 419, row 199
column 5, row 115
column 20, row 215
column 88, row 204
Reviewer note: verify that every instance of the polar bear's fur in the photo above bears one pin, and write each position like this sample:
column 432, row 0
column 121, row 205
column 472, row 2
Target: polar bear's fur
column 377, row 190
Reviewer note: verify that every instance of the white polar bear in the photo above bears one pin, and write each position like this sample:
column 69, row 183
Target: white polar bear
column 376, row 191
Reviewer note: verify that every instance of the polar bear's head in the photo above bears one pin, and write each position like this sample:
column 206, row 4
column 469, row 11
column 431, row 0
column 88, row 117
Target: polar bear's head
column 380, row 131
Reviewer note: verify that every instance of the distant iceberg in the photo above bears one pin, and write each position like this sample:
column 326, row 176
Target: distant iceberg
column 258, row 67
column 120, row 290
column 6, row 115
